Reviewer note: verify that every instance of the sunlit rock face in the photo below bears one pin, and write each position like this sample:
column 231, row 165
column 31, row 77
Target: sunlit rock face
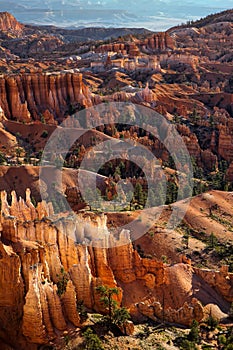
column 26, row 98
column 9, row 24
column 37, row 249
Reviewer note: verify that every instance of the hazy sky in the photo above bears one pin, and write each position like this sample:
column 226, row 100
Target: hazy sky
column 151, row 14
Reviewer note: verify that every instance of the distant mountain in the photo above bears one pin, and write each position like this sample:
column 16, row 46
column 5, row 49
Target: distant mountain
column 225, row 16
column 10, row 29
column 151, row 14
column 87, row 34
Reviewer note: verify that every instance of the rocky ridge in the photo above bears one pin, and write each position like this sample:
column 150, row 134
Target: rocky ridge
column 10, row 25
column 36, row 251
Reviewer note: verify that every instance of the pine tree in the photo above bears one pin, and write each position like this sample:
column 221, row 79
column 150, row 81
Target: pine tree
column 106, row 297
column 63, row 279
column 121, row 315
column 117, row 172
column 186, row 191
column 213, row 240
column 117, row 315
column 194, row 332
column 172, row 191
column 151, row 199
column 138, row 194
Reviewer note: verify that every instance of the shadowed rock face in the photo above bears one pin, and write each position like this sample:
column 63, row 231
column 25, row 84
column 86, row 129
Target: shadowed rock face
column 34, row 252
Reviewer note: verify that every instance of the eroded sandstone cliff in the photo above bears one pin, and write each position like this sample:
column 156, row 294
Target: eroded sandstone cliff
column 38, row 248
column 9, row 24
column 52, row 96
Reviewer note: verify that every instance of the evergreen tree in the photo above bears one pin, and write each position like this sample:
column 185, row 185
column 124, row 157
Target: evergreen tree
column 106, row 297
column 172, row 191
column 171, row 163
column 195, row 116
column 63, row 279
column 156, row 197
column 186, row 191
column 89, row 197
column 194, row 332
column 117, row 315
column 213, row 241
column 121, row 315
column 152, row 200
column 212, row 322
column 138, row 194
column 117, row 172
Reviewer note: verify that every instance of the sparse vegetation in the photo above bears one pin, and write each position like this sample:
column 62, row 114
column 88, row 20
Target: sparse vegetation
column 193, row 335
column 44, row 134
column 212, row 322
column 92, row 341
column 63, row 279
column 82, row 310
column 115, row 314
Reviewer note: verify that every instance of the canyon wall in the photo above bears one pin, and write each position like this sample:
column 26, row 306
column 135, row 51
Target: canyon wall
column 30, row 97
column 38, row 249
column 50, row 97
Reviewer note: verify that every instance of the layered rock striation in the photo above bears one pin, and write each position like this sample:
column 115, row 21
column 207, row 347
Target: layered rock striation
column 159, row 41
column 38, row 249
column 30, row 97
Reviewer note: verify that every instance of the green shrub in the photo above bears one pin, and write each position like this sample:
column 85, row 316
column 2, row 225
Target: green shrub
column 120, row 316
column 187, row 345
column 164, row 259
column 92, row 341
column 222, row 339
column 66, row 339
column 229, row 347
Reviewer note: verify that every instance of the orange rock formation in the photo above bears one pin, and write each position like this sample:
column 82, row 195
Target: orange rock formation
column 26, row 98
column 9, row 24
column 33, row 251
